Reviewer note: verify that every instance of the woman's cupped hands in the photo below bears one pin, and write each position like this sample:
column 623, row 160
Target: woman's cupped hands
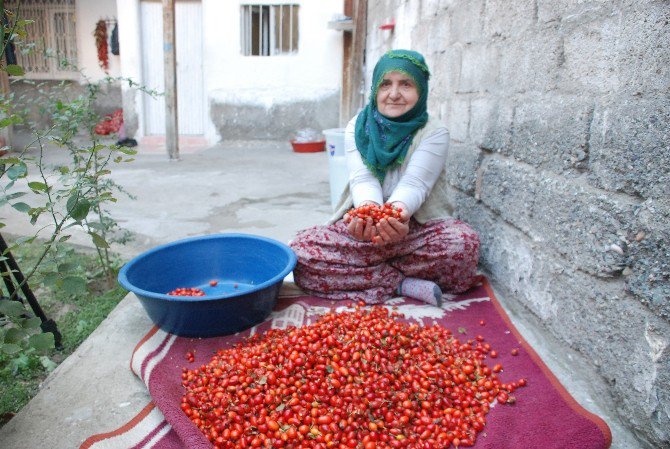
column 382, row 232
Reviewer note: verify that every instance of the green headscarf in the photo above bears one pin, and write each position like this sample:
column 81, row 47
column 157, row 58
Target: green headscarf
column 383, row 142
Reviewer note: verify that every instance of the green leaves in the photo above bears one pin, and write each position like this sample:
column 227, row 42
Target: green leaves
column 98, row 241
column 42, row 342
column 10, row 348
column 21, row 207
column 47, row 363
column 12, row 196
column 25, row 335
column 10, row 120
column 12, row 309
column 51, row 279
column 15, row 70
column 24, row 239
column 35, row 213
column 66, row 196
column 74, row 285
column 127, row 150
column 31, row 323
column 15, row 335
column 38, row 187
column 78, row 207
column 16, row 171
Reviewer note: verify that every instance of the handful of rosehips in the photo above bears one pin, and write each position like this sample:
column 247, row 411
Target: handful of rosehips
column 374, row 211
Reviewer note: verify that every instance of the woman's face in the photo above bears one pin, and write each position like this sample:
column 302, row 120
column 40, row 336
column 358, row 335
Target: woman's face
column 396, row 95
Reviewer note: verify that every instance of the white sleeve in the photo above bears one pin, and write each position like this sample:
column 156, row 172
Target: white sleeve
column 362, row 183
column 423, row 169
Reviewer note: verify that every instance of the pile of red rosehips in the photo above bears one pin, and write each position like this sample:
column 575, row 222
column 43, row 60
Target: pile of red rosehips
column 186, row 291
column 111, row 123
column 375, row 212
column 360, row 379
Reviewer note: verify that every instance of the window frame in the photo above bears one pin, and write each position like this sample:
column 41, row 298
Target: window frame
column 48, row 39
column 274, row 48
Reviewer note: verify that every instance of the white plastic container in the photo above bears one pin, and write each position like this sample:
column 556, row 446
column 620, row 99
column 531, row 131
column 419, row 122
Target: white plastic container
column 337, row 164
column 334, row 141
column 338, row 176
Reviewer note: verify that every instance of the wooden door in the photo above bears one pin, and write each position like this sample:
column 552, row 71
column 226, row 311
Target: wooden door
column 191, row 102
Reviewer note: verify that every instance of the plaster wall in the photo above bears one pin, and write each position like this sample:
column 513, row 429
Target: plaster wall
column 560, row 157
column 271, row 97
column 36, row 99
column 131, row 65
column 316, row 64
column 88, row 12
column 33, row 93
column 250, row 96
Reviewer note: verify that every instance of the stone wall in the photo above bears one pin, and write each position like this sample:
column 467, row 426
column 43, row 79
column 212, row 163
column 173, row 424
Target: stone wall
column 559, row 113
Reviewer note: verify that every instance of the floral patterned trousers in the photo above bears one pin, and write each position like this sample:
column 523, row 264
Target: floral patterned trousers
column 332, row 264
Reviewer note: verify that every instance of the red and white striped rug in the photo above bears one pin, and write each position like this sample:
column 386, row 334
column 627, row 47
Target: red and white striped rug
column 544, row 416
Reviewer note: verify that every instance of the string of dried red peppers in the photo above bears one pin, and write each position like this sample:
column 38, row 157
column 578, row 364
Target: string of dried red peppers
column 100, row 34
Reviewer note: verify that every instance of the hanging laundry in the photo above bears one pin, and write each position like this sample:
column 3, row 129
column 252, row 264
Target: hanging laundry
column 115, row 39
column 10, row 52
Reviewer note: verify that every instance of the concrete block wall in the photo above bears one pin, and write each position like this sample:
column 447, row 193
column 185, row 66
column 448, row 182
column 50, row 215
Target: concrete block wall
column 559, row 113
column 30, row 95
column 270, row 117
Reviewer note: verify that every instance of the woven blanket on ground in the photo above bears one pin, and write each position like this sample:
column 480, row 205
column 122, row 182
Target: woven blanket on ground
column 544, row 415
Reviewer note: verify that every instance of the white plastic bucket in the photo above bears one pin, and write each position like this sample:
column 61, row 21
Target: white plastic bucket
column 338, row 177
column 337, row 164
column 334, row 141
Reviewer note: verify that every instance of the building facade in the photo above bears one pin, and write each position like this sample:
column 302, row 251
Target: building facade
column 245, row 69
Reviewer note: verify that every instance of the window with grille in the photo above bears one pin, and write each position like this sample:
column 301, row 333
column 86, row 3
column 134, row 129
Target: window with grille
column 269, row 30
column 49, row 50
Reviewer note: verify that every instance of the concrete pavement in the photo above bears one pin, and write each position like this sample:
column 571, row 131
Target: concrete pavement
column 253, row 187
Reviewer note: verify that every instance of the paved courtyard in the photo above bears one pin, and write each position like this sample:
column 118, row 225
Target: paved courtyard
column 256, row 187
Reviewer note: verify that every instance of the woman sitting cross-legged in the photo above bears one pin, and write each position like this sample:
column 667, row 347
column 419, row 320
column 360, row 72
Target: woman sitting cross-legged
column 395, row 155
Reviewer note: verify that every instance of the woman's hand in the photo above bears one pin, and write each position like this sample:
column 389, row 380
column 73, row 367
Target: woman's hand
column 363, row 230
column 359, row 228
column 392, row 230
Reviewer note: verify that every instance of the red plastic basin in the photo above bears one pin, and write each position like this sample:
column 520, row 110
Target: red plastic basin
column 308, row 147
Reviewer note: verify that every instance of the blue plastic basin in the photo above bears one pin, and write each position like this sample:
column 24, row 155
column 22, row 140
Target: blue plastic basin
column 248, row 270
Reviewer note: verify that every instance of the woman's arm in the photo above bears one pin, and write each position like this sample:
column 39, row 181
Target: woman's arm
column 362, row 183
column 364, row 187
column 423, row 169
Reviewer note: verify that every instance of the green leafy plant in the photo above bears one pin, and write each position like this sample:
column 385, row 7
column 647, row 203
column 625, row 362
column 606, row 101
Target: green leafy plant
column 54, row 199
column 77, row 314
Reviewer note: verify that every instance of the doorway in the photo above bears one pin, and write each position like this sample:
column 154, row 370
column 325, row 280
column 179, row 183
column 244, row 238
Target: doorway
column 190, row 85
